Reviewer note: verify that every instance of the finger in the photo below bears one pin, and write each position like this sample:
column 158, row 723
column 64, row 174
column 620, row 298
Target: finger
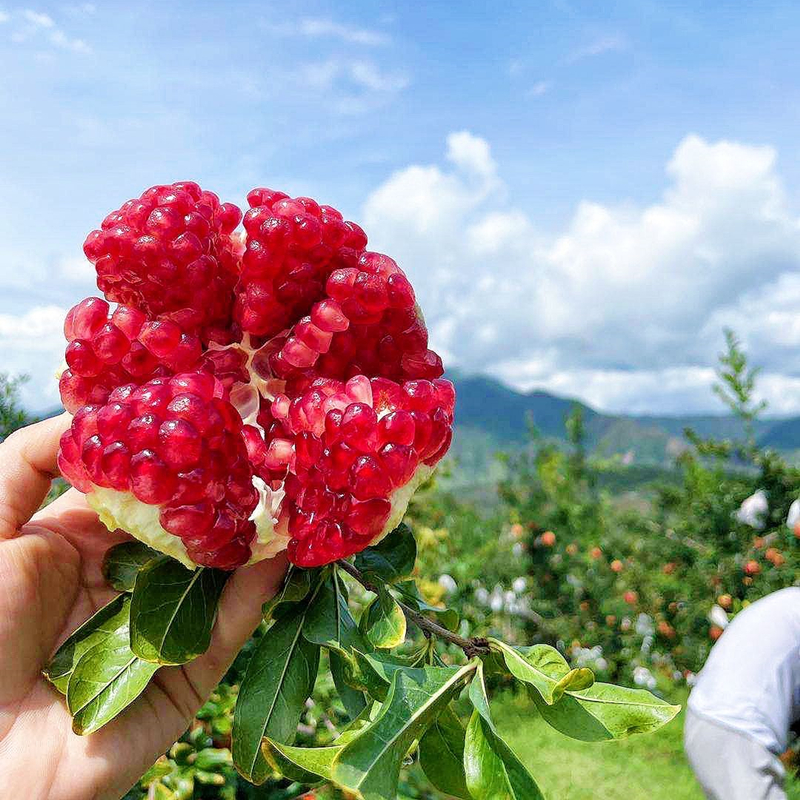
column 27, row 466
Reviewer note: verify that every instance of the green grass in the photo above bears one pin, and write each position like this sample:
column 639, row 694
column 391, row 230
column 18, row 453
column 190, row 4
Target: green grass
column 650, row 767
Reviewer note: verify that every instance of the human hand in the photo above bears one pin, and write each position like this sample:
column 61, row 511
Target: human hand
column 50, row 583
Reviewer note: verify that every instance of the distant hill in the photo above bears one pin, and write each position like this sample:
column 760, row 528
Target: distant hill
column 491, row 416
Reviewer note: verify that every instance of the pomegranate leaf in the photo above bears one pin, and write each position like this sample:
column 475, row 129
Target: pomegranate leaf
column 493, row 771
column 604, row 711
column 369, row 765
column 329, row 622
column 301, row 764
column 385, row 625
column 541, row 667
column 353, row 700
column 173, row 611
column 107, row 678
column 392, row 559
column 278, row 681
column 102, row 625
column 296, row 586
column 441, row 754
column 122, row 563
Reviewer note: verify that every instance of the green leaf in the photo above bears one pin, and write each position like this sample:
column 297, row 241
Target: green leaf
column 448, row 617
column 392, row 559
column 301, row 764
column 493, row 771
column 374, row 671
column 604, row 711
column 353, row 700
column 122, row 563
column 386, row 622
column 370, row 764
column 107, row 678
column 441, row 754
column 296, row 586
column 540, row 667
column 279, row 679
column 173, row 611
column 109, row 619
column 575, row 680
column 329, row 622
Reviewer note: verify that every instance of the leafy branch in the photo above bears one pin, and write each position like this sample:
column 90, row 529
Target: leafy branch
column 471, row 646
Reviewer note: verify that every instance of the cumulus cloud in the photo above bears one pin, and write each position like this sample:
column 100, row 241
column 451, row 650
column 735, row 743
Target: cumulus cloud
column 625, row 305
column 32, row 344
column 38, row 27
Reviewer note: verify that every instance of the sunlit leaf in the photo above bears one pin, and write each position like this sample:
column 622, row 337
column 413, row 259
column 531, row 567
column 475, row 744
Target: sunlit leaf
column 329, row 622
column 107, row 621
column 385, row 622
column 106, row 679
column 604, row 711
column 540, row 667
column 353, row 700
column 492, row 770
column 301, row 764
column 370, row 764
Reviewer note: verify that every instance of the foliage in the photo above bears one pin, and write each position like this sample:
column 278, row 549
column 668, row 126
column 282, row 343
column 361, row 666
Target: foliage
column 12, row 415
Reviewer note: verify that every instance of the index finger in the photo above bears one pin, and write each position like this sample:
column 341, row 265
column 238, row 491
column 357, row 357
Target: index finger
column 27, row 466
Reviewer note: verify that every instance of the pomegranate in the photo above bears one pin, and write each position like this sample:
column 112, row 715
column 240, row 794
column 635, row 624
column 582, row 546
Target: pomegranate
column 252, row 391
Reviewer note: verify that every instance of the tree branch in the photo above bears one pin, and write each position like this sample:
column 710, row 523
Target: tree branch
column 471, row 647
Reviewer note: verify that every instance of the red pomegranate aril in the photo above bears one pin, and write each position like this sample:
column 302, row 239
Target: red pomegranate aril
column 110, row 344
column 116, row 461
column 143, row 432
column 420, row 395
column 113, row 419
column 298, row 354
column 312, row 336
column 400, row 462
column 397, row 427
column 445, row 394
column 87, row 318
column 368, row 518
column 160, row 337
column 152, row 481
column 359, row 425
column 92, row 455
column 401, row 295
column 368, row 479
column 185, row 521
column 179, row 444
column 328, row 316
column 82, row 360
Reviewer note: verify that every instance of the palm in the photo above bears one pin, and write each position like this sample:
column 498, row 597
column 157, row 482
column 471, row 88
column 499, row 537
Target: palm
column 50, row 582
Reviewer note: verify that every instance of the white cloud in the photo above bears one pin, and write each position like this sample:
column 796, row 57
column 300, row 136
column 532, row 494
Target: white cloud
column 33, row 344
column 319, row 28
column 4, row 17
column 604, row 44
column 35, row 26
column 539, row 88
column 623, row 306
column 349, row 86
column 38, row 19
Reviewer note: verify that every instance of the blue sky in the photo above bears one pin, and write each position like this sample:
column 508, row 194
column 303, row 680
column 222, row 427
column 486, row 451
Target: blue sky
column 583, row 193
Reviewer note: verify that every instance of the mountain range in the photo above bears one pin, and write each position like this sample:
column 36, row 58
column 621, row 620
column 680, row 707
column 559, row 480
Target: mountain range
column 492, row 415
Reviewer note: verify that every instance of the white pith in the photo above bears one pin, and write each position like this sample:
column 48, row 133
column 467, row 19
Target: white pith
column 123, row 511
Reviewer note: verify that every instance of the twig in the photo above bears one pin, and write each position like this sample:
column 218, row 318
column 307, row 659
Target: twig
column 471, row 647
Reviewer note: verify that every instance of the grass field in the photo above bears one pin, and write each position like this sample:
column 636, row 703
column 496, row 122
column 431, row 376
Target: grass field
column 642, row 768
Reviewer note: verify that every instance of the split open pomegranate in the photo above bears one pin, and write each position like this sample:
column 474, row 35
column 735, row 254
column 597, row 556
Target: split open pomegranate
column 252, row 391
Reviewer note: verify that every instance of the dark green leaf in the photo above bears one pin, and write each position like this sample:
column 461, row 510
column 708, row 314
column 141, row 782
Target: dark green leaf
column 441, row 754
column 374, row 672
column 173, row 611
column 448, row 617
column 122, row 563
column 301, row 764
column 279, row 679
column 329, row 622
column 392, row 559
column 107, row 678
column 385, row 622
column 107, row 621
column 353, row 700
column 370, row 764
column 492, row 770
column 604, row 711
column 296, row 586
